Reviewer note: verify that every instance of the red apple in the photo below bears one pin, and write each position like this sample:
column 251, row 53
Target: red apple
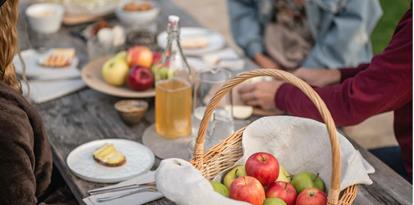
column 311, row 196
column 264, row 167
column 140, row 56
column 247, row 189
column 282, row 190
column 140, row 79
column 156, row 58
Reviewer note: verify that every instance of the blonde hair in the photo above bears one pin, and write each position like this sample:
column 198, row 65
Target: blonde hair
column 9, row 13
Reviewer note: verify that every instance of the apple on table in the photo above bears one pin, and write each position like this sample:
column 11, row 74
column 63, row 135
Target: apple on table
column 284, row 175
column 264, row 167
column 274, row 201
column 305, row 180
column 311, row 196
column 234, row 173
column 140, row 79
column 140, row 56
column 220, row 188
column 247, row 189
column 115, row 71
column 282, row 190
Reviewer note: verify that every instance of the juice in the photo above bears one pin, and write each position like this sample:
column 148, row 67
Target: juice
column 173, row 105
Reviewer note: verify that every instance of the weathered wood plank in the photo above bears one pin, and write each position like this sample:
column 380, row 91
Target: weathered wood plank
column 88, row 115
column 388, row 186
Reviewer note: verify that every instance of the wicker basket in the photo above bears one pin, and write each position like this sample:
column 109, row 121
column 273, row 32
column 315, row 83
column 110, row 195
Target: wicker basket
column 223, row 156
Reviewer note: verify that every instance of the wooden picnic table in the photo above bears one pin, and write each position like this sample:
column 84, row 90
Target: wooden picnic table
column 89, row 115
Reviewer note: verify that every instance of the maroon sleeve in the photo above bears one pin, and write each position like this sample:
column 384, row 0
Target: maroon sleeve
column 384, row 86
column 351, row 72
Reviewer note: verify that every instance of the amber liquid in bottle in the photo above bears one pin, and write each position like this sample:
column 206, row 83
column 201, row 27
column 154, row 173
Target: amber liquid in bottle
column 173, row 97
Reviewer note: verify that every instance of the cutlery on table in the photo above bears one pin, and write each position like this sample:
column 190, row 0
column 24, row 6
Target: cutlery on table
column 121, row 188
column 110, row 198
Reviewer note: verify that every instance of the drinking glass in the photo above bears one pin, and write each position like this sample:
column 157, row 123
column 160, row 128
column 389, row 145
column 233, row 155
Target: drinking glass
column 221, row 123
column 173, row 108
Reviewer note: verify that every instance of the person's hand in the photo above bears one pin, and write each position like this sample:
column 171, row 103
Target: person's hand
column 261, row 94
column 319, row 77
column 264, row 61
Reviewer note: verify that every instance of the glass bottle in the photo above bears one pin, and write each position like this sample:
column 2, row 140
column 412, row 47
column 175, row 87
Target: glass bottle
column 173, row 98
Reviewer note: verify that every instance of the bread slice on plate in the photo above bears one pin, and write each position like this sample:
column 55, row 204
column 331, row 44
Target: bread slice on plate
column 194, row 43
column 109, row 156
column 58, row 58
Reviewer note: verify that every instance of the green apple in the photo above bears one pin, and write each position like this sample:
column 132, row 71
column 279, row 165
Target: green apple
column 121, row 55
column 284, row 175
column 171, row 73
column 274, row 201
column 305, row 180
column 233, row 174
column 160, row 72
column 220, row 188
column 163, row 73
column 115, row 71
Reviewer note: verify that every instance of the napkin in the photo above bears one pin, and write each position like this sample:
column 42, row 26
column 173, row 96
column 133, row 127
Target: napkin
column 136, row 199
column 302, row 144
column 42, row 91
column 35, row 71
column 180, row 182
column 227, row 58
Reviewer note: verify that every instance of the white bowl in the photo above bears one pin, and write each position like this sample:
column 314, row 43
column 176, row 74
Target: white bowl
column 136, row 19
column 45, row 17
column 88, row 7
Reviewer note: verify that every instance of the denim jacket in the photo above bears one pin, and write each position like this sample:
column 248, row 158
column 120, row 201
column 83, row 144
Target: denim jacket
column 341, row 29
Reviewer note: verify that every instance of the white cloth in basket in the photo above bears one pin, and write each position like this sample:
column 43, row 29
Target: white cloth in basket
column 180, row 182
column 299, row 144
column 302, row 144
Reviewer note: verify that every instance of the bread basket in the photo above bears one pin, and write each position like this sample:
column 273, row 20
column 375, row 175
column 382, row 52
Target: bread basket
column 223, row 155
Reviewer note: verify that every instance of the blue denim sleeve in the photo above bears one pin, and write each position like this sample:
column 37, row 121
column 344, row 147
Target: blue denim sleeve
column 245, row 25
column 346, row 42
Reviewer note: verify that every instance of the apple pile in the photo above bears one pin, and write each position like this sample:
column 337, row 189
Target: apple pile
column 132, row 68
column 263, row 181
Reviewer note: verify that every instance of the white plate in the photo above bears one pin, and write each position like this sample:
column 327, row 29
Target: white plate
column 215, row 40
column 198, row 64
column 139, row 160
column 34, row 70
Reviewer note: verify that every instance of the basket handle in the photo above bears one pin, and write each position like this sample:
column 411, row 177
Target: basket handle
column 334, row 190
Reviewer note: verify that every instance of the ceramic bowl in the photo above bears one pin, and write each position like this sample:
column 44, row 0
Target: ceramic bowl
column 131, row 111
column 137, row 19
column 45, row 17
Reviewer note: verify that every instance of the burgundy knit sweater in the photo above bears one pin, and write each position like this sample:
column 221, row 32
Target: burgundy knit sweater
column 383, row 85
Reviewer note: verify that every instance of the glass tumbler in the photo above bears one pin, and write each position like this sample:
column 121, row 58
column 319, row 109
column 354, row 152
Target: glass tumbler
column 221, row 122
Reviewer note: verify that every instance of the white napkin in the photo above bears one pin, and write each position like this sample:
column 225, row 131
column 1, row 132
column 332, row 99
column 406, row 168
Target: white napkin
column 34, row 70
column 180, row 182
column 136, row 199
column 42, row 91
column 302, row 144
column 227, row 58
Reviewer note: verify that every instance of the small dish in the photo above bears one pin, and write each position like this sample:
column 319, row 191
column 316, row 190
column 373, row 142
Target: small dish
column 45, row 17
column 131, row 111
column 137, row 18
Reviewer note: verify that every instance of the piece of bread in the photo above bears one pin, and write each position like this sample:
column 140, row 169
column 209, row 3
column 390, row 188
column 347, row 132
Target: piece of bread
column 109, row 156
column 194, row 43
column 58, row 58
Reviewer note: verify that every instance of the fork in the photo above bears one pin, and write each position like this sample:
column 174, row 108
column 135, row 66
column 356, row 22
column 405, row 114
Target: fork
column 110, row 198
column 121, row 188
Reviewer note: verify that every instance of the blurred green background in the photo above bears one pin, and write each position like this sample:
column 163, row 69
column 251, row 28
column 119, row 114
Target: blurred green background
column 392, row 12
